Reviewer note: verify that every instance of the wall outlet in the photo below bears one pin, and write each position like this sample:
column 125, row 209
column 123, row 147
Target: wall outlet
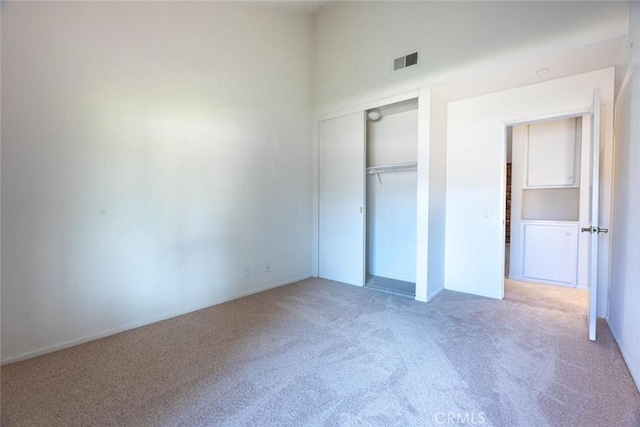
column 267, row 267
column 486, row 213
column 246, row 273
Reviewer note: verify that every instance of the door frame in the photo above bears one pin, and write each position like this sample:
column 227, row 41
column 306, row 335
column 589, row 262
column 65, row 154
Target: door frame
column 503, row 174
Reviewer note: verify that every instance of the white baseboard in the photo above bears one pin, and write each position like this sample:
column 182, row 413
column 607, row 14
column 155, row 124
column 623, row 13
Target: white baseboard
column 72, row 343
column 634, row 370
column 433, row 294
column 430, row 296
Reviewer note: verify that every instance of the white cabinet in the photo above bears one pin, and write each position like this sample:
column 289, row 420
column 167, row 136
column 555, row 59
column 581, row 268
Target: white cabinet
column 550, row 251
column 551, row 154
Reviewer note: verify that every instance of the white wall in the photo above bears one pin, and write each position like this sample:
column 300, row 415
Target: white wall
column 151, row 153
column 355, row 42
column 437, row 192
column 391, row 199
column 551, row 204
column 624, row 294
column 476, row 153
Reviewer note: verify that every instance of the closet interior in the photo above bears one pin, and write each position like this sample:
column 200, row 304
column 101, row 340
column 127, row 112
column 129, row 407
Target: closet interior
column 391, row 198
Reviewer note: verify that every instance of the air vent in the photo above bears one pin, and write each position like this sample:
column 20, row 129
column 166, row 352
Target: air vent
column 405, row 61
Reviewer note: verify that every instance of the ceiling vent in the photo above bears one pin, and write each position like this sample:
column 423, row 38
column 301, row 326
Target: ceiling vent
column 405, row 61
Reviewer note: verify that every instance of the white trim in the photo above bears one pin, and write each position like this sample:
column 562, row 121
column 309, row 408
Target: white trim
column 635, row 374
column 422, row 194
column 548, row 117
column 315, row 199
column 435, row 293
column 363, row 205
column 503, row 210
column 369, row 105
column 73, row 343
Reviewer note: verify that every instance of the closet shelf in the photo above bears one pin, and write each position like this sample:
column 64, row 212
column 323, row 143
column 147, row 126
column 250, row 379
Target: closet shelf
column 399, row 167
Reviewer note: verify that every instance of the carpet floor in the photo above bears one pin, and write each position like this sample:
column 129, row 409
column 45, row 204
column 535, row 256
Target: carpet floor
column 323, row 353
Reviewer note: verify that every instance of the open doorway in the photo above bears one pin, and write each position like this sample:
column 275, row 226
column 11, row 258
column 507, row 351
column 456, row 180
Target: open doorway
column 546, row 202
column 546, row 205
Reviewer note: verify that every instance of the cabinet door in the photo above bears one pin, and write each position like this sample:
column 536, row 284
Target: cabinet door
column 341, row 202
column 550, row 252
column 550, row 154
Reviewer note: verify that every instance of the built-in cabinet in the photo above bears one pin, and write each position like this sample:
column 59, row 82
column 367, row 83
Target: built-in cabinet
column 546, row 195
column 550, row 251
column 551, row 154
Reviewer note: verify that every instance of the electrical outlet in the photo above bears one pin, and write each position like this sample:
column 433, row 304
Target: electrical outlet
column 267, row 267
column 245, row 273
column 486, row 213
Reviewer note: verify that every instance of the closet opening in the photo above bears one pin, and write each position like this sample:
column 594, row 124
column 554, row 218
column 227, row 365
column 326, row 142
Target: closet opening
column 391, row 198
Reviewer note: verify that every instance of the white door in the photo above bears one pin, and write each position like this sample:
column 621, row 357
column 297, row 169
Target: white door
column 342, row 199
column 594, row 229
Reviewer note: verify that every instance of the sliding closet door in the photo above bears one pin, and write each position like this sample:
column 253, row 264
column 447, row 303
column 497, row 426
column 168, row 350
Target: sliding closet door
column 342, row 185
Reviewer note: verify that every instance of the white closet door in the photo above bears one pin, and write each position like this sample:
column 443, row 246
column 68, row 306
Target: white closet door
column 342, row 197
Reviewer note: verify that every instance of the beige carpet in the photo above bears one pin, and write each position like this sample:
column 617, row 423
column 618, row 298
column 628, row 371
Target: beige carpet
column 323, row 353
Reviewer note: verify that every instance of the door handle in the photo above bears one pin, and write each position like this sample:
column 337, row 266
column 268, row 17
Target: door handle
column 592, row 230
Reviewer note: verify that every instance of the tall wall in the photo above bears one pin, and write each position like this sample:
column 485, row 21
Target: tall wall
column 153, row 155
column 624, row 292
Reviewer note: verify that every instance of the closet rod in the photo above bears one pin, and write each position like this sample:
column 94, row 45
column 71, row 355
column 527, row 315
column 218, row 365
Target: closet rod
column 400, row 167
